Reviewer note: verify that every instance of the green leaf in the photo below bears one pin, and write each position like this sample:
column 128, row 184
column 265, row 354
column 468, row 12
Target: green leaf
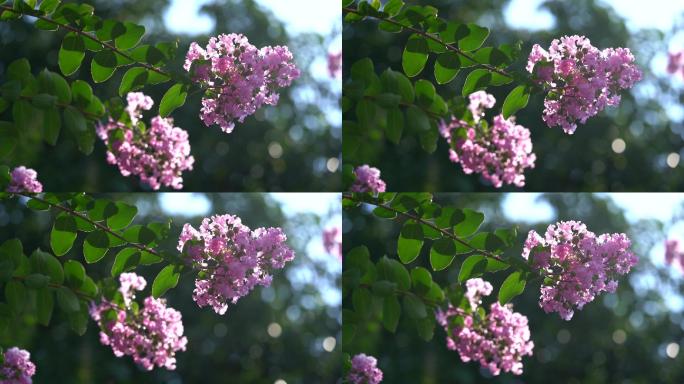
column 415, row 55
column 421, row 280
column 425, row 93
column 74, row 121
column 391, row 311
column 446, row 67
column 134, row 79
column 78, row 321
column 396, row 82
column 476, row 80
column 131, row 37
column 19, row 70
column 126, row 260
column 516, row 100
column 63, row 234
column 46, row 264
column 473, row 266
column 71, row 53
column 426, row 328
column 49, row 6
column 95, row 246
column 173, row 98
column 468, row 223
column 45, row 303
column 67, row 300
column 362, row 301
column 103, row 65
column 124, row 215
column 384, row 213
column 36, row 281
column 82, row 93
column 140, row 234
column 417, row 120
column 511, row 287
column 16, row 296
column 165, row 280
column 476, row 37
column 410, row 242
column 414, row 307
column 442, row 253
column 74, row 274
column 52, row 124
column 26, row 116
column 395, row 125
column 8, row 139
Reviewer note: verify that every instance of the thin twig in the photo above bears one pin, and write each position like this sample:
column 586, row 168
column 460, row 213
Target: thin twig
column 58, row 286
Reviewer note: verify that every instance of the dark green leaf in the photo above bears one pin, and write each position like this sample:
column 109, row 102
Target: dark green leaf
column 476, row 36
column 46, row 264
column 63, row 234
column 410, row 242
column 74, row 274
column 36, row 281
column 421, row 279
column 173, row 98
column 131, row 37
column 52, row 124
column 71, row 53
column 391, row 311
column 516, row 100
column 16, row 295
column 446, row 67
column 511, row 287
column 476, row 80
column 415, row 55
column 473, row 266
column 45, row 302
column 126, row 260
column 67, row 300
column 468, row 223
column 442, row 253
column 124, row 215
column 134, row 79
column 414, row 307
column 417, row 120
column 103, row 66
column 95, row 246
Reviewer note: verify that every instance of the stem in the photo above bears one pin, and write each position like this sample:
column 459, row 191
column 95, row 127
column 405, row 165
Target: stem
column 87, row 36
column 429, row 224
column 428, row 302
column 407, row 105
column 95, row 223
column 57, row 286
column 450, row 47
column 62, row 105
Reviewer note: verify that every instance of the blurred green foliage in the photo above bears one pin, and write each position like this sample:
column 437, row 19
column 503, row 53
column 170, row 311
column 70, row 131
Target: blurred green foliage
column 617, row 338
column 285, row 147
column 235, row 347
column 581, row 162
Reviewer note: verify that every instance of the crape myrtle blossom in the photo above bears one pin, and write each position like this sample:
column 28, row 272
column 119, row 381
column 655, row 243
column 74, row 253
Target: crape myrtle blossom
column 158, row 154
column 24, row 180
column 581, row 80
column 238, row 77
column 364, row 370
column 675, row 63
column 500, row 152
column 498, row 340
column 151, row 335
column 17, row 367
column 332, row 241
column 335, row 64
column 367, row 180
column 579, row 264
column 674, row 253
column 231, row 258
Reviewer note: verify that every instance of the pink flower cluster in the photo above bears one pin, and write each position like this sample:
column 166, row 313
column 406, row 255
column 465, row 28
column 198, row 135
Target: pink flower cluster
column 368, row 180
column 675, row 63
column 500, row 152
column 238, row 77
column 17, row 367
column 674, row 252
column 151, row 335
column 158, row 155
column 332, row 241
column 232, row 259
column 335, row 64
column 364, row 370
column 24, row 180
column 578, row 264
column 581, row 79
column 498, row 341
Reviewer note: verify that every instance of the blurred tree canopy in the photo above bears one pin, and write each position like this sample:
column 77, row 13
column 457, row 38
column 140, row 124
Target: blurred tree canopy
column 584, row 161
column 235, row 347
column 617, row 338
column 285, row 147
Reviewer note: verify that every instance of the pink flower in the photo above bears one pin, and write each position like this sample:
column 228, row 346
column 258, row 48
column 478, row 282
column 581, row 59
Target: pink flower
column 238, row 77
column 581, row 80
column 332, row 241
column 231, row 258
column 158, row 155
column 151, row 335
column 579, row 264
column 498, row 341
column 500, row 153
column 368, row 180
column 335, row 64
column 675, row 63
column 364, row 370
column 24, row 180
column 674, row 252
column 17, row 367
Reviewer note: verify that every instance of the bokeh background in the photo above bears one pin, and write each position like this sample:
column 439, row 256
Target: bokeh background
column 635, row 335
column 634, row 147
column 285, row 334
column 294, row 146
